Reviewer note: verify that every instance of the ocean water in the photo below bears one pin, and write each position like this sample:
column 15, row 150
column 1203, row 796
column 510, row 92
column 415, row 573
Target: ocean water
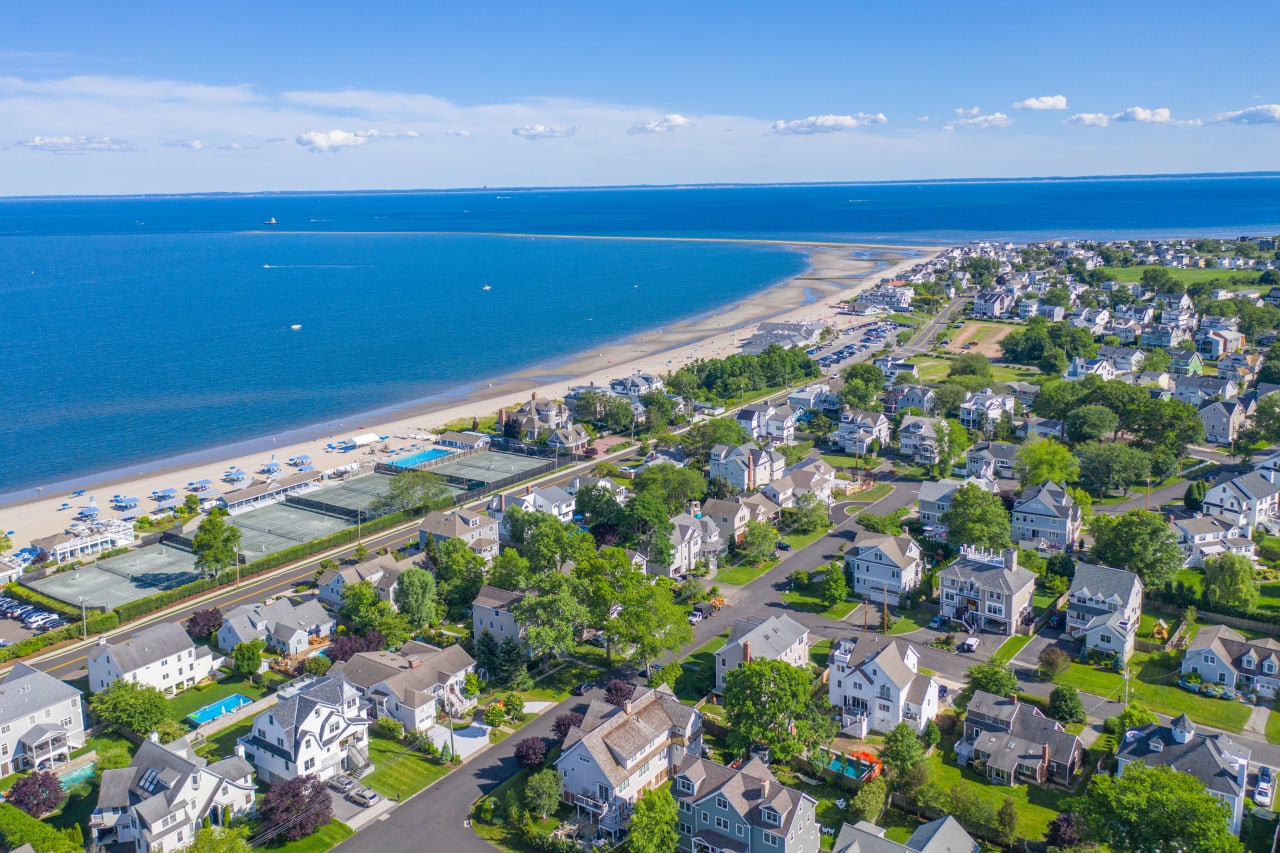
column 143, row 328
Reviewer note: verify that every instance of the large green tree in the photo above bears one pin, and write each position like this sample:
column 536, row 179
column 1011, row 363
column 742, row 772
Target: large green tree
column 902, row 750
column 510, row 571
column 1154, row 810
column 550, row 543
column 653, row 823
column 1091, row 423
column 704, row 435
column 459, row 573
column 1104, row 468
column 553, row 616
column 126, row 707
column 215, row 543
column 769, row 702
column 1065, row 705
column 758, row 540
column 542, row 792
column 1228, row 579
column 415, row 597
column 1137, row 541
column 835, row 586
column 977, row 517
column 676, row 486
column 361, row 608
column 1042, row 460
column 247, row 656
column 952, row 440
column 992, row 677
column 651, row 621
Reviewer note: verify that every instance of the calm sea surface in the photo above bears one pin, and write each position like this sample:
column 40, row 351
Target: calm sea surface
column 141, row 328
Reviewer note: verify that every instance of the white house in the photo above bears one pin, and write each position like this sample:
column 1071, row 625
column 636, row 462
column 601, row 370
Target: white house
column 1047, row 514
column 879, row 685
column 162, row 799
column 780, row 424
column 984, row 410
column 1248, row 502
column 991, row 460
column 1104, row 607
column 552, row 500
column 161, row 656
column 283, row 626
column 745, row 467
column 860, row 432
column 413, row 684
column 41, row 719
column 884, row 567
column 775, row 638
column 315, row 729
column 1203, row 537
column 1079, row 368
column 754, row 419
column 918, row 438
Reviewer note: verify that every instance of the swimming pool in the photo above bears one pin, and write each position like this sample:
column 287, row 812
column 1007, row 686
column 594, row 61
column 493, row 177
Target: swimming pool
column 219, row 709
column 75, row 777
column 419, row 458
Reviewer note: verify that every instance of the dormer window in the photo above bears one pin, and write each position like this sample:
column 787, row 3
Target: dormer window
column 1269, row 667
column 1248, row 662
column 770, row 816
column 684, row 785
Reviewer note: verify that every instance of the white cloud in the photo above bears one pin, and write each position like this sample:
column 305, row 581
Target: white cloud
column 193, row 144
column 922, row 118
column 1089, row 120
column 1262, row 114
column 331, row 140
column 827, row 123
column 76, row 144
column 1044, row 102
column 974, row 118
column 201, row 145
column 452, row 132
column 543, row 131
column 1160, row 115
column 666, row 124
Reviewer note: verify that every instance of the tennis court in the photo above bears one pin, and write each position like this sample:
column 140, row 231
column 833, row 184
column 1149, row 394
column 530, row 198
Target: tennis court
column 357, row 493
column 275, row 527
column 110, row 583
column 489, row 466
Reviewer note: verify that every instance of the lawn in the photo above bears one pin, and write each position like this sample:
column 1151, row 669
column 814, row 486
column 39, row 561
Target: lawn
column 931, row 369
column 197, row 697
column 699, row 670
column 1273, row 727
column 222, row 743
column 1192, row 578
column 1269, row 596
column 81, row 801
column 808, row 600
column 326, row 837
column 1148, row 623
column 399, row 771
column 801, row 540
column 819, row 652
column 1042, row 601
column 556, row 685
column 506, row 836
column 907, row 621
column 1036, row 805
column 1156, row 687
column 1009, row 648
column 1187, row 276
column 870, row 496
column 743, row 574
column 849, row 460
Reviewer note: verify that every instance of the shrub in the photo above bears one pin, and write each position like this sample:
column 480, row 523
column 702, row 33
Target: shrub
column 619, row 692
column 1053, row 661
column 37, row 794
column 564, row 722
column 513, row 703
column 203, row 623
column 316, row 665
column 495, row 715
column 391, row 727
column 531, row 752
column 294, row 808
column 18, row 828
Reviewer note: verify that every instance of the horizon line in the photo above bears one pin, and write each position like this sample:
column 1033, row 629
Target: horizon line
column 680, row 185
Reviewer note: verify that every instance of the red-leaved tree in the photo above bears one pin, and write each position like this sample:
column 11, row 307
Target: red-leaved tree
column 619, row 692
column 37, row 794
column 531, row 752
column 295, row 808
column 342, row 648
column 564, row 722
column 203, row 623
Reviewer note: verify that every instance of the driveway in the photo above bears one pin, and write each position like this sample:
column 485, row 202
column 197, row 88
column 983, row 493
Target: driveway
column 465, row 742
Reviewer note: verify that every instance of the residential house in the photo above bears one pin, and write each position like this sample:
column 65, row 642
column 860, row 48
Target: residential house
column 491, row 611
column 1223, row 419
column 1185, row 362
column 1242, row 367
column 1198, row 390
column 1215, row 343
column 860, row 432
column 283, row 626
column 1219, row 762
column 730, row 518
column 693, row 539
column 811, row 476
column 161, row 656
column 552, row 500
column 316, row 729
column 536, row 417
column 780, row 424
column 1126, row 359
column 573, row 438
column 1011, row 743
column 466, row 440
column 616, row 753
column 636, row 385
column 1104, row 607
column 1028, row 308
column 1222, row 655
column 1043, row 427
column 987, row 591
column 754, row 419
column 1202, row 537
column 163, row 798
column 1093, row 320
column 984, row 410
column 41, row 719
column 1139, row 312
column 1079, row 368
column 1048, row 514
column 813, row 396
column 775, row 638
column 382, row 572
column 740, row 809
column 935, row 499
column 1176, row 301
column 1024, row 392
column 1248, row 502
column 884, row 567
column 918, row 438
column 992, row 304
column 991, row 460
column 1052, row 313
column 880, row 685
column 898, row 297
column 1164, row 336
column 762, row 509
column 899, row 398
column 1155, row 378
column 477, row 531
column 410, row 685
column 1126, row 331
column 944, row 835
column 745, row 467
column 893, row 366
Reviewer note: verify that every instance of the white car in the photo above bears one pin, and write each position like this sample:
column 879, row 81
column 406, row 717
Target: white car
column 1262, row 794
column 695, row 617
column 970, row 644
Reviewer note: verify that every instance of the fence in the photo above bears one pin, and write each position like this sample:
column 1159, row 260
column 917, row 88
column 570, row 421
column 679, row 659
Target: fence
column 326, row 508
column 1160, row 601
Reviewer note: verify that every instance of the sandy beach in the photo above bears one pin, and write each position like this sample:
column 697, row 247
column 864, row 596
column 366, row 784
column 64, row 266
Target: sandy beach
column 833, row 275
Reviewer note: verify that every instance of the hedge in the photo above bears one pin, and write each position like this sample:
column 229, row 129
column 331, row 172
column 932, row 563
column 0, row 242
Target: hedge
column 96, row 624
column 27, row 595
column 18, row 828
column 1180, row 595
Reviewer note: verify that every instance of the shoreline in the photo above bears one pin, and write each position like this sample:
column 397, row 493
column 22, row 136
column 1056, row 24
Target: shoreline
column 834, row 272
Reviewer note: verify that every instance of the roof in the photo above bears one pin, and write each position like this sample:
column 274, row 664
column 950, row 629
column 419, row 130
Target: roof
column 25, row 690
column 497, row 599
column 252, row 619
column 769, row 637
column 329, row 692
column 145, row 647
column 989, row 575
column 1251, row 486
column 723, row 508
column 1209, row 758
column 455, row 522
column 1232, row 647
column 412, row 675
column 381, row 570
column 899, row 549
column 612, row 735
column 748, row 789
column 1106, row 582
column 944, row 835
column 1048, row 499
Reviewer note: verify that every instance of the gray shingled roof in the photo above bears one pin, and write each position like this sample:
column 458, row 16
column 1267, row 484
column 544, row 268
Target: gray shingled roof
column 747, row 789
column 1106, row 582
column 24, row 690
column 497, row 599
column 989, row 576
column 1207, row 757
column 145, row 647
column 769, row 637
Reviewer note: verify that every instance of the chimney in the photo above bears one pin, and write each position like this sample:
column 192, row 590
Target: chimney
column 746, row 651
column 1044, row 752
column 764, row 787
column 1013, row 697
column 533, row 396
column 239, row 750
column 154, row 737
column 528, row 490
column 415, row 662
column 1011, row 559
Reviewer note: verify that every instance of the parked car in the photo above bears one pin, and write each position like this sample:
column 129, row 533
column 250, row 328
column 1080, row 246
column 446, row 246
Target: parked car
column 363, row 797
column 970, row 644
column 937, row 622
column 581, row 689
column 1262, row 794
column 783, row 546
column 1055, row 621
column 943, row 690
column 1264, row 775
column 695, row 617
column 342, row 784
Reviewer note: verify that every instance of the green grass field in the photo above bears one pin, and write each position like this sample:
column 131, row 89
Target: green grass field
column 326, row 837
column 1273, row 727
column 906, row 622
column 869, row 496
column 396, row 771
column 801, row 540
column 699, row 670
column 1036, row 805
column 743, row 574
column 819, row 652
column 1009, row 648
column 197, row 697
column 932, row 369
column 807, row 601
column 1189, row 276
column 556, row 685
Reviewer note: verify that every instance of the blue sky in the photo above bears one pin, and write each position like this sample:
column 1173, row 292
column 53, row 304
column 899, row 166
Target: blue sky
column 165, row 97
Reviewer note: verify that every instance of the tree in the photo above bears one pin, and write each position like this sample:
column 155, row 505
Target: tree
column 246, row 657
column 1107, row 467
column 531, row 752
column 316, row 665
column 1007, row 821
column 1153, row 810
column 542, row 792
column 807, row 516
column 1065, row 705
column 341, row 648
column 126, row 707
column 649, row 619
column 1042, row 460
column 619, row 692
column 977, row 517
column 902, row 749
column 869, row 802
column 1137, row 541
column 514, row 703
column 37, row 794
column 1053, row 661
column 550, row 543
column 294, row 808
column 659, row 411
column 768, row 702
column 564, row 722
column 203, row 623
column 417, row 491
column 215, row 543
column 992, row 677
column 1061, row 565
column 758, row 541
column 952, row 440
column 1228, row 579
column 459, row 573
column 510, row 571
column 553, row 616
column 701, row 437
column 511, row 664
column 970, row 364
column 932, row 734
column 948, row 397
column 415, row 597
column 653, row 824
column 676, row 486
column 1091, row 423
column 221, row 839
column 359, row 553
column 1132, row 717
column 835, row 586
column 361, row 607
column 1065, row 831
column 618, row 414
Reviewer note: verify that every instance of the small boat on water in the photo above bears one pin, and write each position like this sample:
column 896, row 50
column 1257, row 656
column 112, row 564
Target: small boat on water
column 271, row 221
column 296, row 326
column 486, row 287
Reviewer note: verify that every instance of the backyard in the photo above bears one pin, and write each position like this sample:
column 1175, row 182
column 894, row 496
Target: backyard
column 698, row 670
column 198, row 697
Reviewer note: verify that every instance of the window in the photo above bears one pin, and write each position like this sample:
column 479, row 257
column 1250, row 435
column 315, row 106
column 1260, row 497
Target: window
column 722, row 803
column 66, row 724
column 771, row 839
column 722, row 823
column 310, row 763
column 685, row 806
column 684, row 785
column 1247, row 663
column 1105, row 639
column 4, row 730
column 739, row 829
column 685, row 829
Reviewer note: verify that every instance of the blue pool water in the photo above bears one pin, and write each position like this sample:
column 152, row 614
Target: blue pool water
column 75, row 777
column 419, row 458
column 219, row 709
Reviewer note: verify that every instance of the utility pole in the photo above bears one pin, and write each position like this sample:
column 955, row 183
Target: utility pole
column 1148, row 496
column 84, row 620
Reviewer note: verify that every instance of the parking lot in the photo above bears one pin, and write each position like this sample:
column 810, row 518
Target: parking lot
column 857, row 343
column 13, row 628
